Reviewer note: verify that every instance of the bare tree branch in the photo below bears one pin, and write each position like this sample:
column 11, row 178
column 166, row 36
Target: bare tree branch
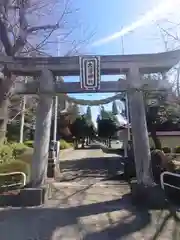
column 169, row 31
column 22, row 38
column 3, row 30
column 44, row 28
column 15, row 21
column 21, row 35
column 4, row 38
column 175, row 37
column 65, row 11
column 171, row 41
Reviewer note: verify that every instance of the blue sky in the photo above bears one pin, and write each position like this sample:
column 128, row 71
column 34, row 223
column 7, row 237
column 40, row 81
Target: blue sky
column 106, row 17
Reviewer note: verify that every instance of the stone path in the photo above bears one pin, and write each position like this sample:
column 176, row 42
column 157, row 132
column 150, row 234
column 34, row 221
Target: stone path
column 86, row 205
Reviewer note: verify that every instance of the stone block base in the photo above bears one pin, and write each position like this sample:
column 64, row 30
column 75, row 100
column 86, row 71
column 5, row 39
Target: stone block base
column 9, row 200
column 32, row 196
column 147, row 197
column 26, row 197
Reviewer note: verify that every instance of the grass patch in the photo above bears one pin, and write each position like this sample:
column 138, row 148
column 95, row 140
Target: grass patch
column 29, row 143
column 65, row 145
column 18, row 149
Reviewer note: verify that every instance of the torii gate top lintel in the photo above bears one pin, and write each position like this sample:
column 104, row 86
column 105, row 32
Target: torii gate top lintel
column 110, row 65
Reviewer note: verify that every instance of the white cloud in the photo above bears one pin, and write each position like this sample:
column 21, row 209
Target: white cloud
column 159, row 12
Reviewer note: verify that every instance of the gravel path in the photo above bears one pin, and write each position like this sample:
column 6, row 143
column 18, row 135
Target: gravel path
column 87, row 205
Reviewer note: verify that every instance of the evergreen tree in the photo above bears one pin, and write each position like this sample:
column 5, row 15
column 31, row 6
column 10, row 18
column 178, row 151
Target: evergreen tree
column 104, row 114
column 89, row 114
column 114, row 109
column 74, row 112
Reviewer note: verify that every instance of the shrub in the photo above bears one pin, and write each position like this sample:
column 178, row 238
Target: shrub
column 166, row 149
column 157, row 162
column 64, row 144
column 29, row 143
column 177, row 150
column 18, row 149
column 6, row 153
column 13, row 166
column 27, row 156
column 12, row 151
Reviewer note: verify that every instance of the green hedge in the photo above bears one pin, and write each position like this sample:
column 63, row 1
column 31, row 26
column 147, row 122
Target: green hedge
column 29, row 143
column 166, row 150
column 63, row 144
column 18, row 149
column 12, row 151
column 177, row 150
column 9, row 162
column 6, row 153
column 13, row 166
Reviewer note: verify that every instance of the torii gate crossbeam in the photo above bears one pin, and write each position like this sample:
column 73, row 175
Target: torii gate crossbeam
column 110, row 65
column 75, row 87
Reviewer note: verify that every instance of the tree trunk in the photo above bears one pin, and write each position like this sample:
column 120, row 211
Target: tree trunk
column 5, row 88
column 83, row 142
column 157, row 142
column 177, row 82
column 109, row 142
column 3, row 120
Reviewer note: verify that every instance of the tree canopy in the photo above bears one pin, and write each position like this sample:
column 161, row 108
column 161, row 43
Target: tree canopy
column 107, row 123
column 162, row 113
column 83, row 126
column 114, row 108
column 88, row 113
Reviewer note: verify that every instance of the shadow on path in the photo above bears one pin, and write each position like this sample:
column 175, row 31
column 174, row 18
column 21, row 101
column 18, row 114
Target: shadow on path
column 45, row 223
column 172, row 215
column 89, row 147
column 90, row 167
column 105, row 149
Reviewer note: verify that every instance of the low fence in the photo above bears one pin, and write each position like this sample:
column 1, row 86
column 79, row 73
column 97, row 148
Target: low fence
column 7, row 186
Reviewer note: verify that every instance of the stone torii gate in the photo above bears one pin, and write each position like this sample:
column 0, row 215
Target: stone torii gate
column 46, row 68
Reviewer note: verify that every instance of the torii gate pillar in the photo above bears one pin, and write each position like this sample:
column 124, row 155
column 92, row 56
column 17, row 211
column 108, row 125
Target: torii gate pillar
column 42, row 132
column 139, row 129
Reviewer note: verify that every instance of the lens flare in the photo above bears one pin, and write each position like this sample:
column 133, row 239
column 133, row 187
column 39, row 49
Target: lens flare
column 155, row 14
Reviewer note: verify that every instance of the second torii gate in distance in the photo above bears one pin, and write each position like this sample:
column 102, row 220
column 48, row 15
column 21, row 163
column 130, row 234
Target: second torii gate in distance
column 133, row 66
